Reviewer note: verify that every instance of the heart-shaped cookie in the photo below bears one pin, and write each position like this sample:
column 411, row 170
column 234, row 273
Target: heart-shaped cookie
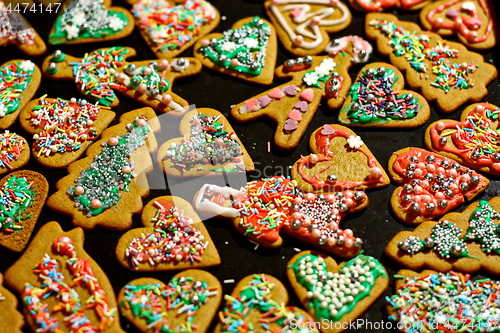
column 102, row 71
column 105, row 188
column 464, row 242
column 258, row 301
column 473, row 21
column 187, row 303
column 376, row 99
column 22, row 197
column 170, row 28
column 61, row 129
column 473, row 141
column 88, row 21
column 446, row 72
column 61, row 286
column 311, row 80
column 303, row 26
column 382, row 5
column 247, row 51
column 11, row 320
column 208, row 146
column 450, row 302
column 14, row 152
column 333, row 293
column 431, row 184
column 19, row 80
column 16, row 30
column 339, row 161
column 263, row 208
column 173, row 238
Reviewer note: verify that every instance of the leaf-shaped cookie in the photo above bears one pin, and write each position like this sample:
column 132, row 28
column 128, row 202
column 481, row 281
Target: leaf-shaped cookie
column 293, row 105
column 187, row 303
column 473, row 141
column 11, row 320
column 105, row 188
column 303, row 26
column 247, row 51
column 14, row 152
column 464, row 242
column 339, row 161
column 259, row 301
column 208, row 146
column 262, row 209
column 316, row 277
column 445, row 72
column 22, row 197
column 431, row 184
column 376, row 99
column 102, row 71
column 89, row 21
column 473, row 21
column 19, row 80
column 61, row 129
column 173, row 238
column 62, row 286
column 170, row 28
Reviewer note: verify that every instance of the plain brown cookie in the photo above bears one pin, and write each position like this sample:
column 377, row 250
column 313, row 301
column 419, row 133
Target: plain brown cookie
column 118, row 217
column 202, row 317
column 17, row 146
column 11, row 320
column 61, row 160
column 209, row 257
column 22, row 273
column 17, row 240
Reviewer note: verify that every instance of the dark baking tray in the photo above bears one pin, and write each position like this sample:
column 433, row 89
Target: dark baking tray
column 376, row 225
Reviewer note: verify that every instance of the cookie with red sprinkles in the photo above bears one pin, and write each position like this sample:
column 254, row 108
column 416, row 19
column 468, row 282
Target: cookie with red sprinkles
column 14, row 152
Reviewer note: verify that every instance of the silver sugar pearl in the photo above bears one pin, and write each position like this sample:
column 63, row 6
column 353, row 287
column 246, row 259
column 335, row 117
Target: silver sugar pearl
column 290, row 63
column 415, row 207
column 358, row 242
column 430, row 206
column 308, row 60
column 443, row 203
column 296, row 224
column 464, row 186
column 331, row 178
column 456, row 250
column 322, row 239
column 475, row 179
column 429, row 242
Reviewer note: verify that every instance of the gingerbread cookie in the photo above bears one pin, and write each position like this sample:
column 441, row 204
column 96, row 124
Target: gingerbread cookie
column 62, row 130
column 208, row 146
column 61, row 286
column 11, row 321
column 293, row 105
column 303, row 26
column 14, row 152
column 445, row 72
column 187, row 303
column 14, row 29
column 259, row 301
column 359, row 48
column 19, row 80
column 105, row 188
column 22, row 197
column 339, row 161
column 247, row 51
column 473, row 141
column 170, row 28
column 89, row 21
column 465, row 242
column 450, row 302
column 376, row 99
column 173, row 238
column 102, row 71
column 431, row 184
column 316, row 277
column 264, row 208
column 382, row 5
column 473, row 21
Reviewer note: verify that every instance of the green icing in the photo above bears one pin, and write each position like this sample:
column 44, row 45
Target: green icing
column 312, row 273
column 15, row 77
column 17, row 196
column 483, row 229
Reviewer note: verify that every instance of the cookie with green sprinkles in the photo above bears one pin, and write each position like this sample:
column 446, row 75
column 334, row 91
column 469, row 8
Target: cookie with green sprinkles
column 22, row 197
column 446, row 72
column 187, row 303
column 105, row 188
column 377, row 99
column 465, row 242
column 208, row 146
column 336, row 293
column 173, row 238
column 11, row 320
column 14, row 152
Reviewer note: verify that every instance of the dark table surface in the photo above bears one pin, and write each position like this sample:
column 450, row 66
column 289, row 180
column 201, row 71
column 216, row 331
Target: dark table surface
column 376, row 225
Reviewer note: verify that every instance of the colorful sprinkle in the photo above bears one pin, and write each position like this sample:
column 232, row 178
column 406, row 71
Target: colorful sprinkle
column 14, row 28
column 11, row 147
column 14, row 80
column 16, row 197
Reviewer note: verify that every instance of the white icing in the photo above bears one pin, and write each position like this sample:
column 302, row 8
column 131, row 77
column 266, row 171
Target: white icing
column 358, row 43
column 205, row 205
column 305, row 27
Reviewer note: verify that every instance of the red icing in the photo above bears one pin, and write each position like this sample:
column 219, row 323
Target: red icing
column 380, row 5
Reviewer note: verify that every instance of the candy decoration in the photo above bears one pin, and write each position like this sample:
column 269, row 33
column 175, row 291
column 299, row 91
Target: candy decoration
column 14, row 152
column 382, row 5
